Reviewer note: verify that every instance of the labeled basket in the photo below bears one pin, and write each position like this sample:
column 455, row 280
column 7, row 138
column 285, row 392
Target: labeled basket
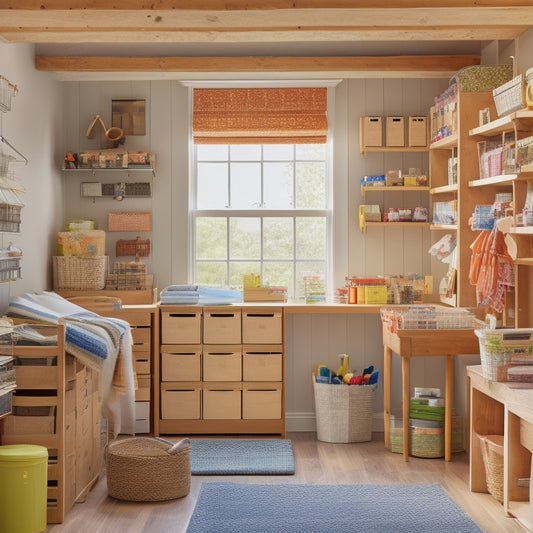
column 343, row 412
column 510, row 96
column 71, row 272
column 492, row 453
column 506, row 354
column 145, row 469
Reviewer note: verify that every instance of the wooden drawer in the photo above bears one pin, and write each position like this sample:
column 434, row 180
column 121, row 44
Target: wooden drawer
column 222, row 401
column 141, row 362
column 181, row 326
column 36, row 370
column 180, row 401
column 181, row 363
column 222, row 362
column 222, row 326
column 135, row 317
column 141, row 337
column 142, row 394
column 261, row 401
column 262, row 363
column 262, row 326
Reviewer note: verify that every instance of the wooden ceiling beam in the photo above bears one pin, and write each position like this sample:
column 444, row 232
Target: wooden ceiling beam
column 435, row 64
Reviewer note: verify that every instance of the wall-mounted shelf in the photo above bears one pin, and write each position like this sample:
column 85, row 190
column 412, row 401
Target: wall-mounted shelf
column 504, row 124
column 444, row 189
column 446, row 227
column 115, row 190
column 446, row 143
column 365, row 224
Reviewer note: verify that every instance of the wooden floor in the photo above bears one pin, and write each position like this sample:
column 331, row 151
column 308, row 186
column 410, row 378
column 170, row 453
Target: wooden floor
column 316, row 462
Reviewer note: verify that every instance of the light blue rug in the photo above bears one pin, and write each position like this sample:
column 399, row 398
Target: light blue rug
column 296, row 508
column 241, row 456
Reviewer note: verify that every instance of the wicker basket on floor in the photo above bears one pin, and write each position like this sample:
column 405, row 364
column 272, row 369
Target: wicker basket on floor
column 144, row 469
column 492, row 452
column 343, row 412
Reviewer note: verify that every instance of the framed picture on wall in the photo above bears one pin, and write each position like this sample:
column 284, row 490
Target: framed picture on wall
column 129, row 115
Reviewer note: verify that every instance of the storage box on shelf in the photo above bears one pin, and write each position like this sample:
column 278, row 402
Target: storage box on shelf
column 221, row 370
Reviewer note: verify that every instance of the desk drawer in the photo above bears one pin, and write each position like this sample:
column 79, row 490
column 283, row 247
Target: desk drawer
column 222, row 362
column 181, row 363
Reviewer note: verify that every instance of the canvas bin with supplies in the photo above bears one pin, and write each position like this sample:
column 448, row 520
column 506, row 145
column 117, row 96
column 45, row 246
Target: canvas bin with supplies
column 343, row 412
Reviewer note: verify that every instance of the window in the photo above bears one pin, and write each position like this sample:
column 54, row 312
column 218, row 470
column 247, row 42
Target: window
column 263, row 209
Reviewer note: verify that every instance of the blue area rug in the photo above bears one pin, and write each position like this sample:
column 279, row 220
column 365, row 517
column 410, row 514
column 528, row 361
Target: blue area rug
column 296, row 508
column 241, row 456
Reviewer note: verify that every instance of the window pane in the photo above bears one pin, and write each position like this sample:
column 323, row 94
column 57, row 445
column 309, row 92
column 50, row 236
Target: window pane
column 278, row 273
column 212, row 273
column 310, row 237
column 211, row 238
column 212, row 191
column 245, row 152
column 238, row 269
column 278, row 152
column 278, row 185
column 310, row 186
column 245, row 185
column 212, row 152
column 310, row 152
column 278, row 238
column 245, row 238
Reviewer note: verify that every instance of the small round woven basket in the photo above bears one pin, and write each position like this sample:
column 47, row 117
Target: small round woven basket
column 143, row 469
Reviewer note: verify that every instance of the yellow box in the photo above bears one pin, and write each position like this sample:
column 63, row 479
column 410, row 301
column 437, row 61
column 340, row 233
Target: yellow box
column 375, row 294
column 372, row 131
column 181, row 326
column 409, row 181
column 262, row 326
column 261, row 401
column 222, row 325
column 361, row 295
column 181, row 401
column 181, row 363
column 262, row 363
column 143, row 392
column 395, row 131
column 222, row 362
column 417, row 130
column 222, row 401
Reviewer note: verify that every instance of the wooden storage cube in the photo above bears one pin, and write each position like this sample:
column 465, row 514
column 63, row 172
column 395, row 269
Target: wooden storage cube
column 141, row 362
column 261, row 401
column 35, row 372
column 181, row 326
column 181, row 401
column 262, row 363
column 395, row 131
column 222, row 325
column 372, row 131
column 222, row 362
column 181, row 363
column 142, row 394
column 262, row 326
column 417, row 130
column 31, row 419
column 222, row 401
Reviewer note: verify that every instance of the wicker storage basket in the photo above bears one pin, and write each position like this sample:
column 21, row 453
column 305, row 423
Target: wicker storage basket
column 143, row 469
column 343, row 412
column 492, row 452
column 129, row 221
column 510, row 96
column 71, row 272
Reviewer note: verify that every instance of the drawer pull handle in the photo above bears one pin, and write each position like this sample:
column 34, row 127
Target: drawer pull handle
column 182, row 315
column 261, row 315
column 221, row 353
column 222, row 315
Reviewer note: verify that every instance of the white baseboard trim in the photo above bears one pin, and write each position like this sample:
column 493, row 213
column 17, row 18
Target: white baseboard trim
column 307, row 422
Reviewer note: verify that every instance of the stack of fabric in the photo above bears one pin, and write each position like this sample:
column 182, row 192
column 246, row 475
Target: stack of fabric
column 198, row 295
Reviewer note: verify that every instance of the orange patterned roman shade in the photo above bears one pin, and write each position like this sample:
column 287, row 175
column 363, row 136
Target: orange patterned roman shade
column 259, row 116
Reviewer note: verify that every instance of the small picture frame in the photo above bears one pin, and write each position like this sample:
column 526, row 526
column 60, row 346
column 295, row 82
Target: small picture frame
column 484, row 116
column 129, row 115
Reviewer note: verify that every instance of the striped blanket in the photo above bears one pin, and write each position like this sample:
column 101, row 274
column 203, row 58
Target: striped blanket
column 103, row 344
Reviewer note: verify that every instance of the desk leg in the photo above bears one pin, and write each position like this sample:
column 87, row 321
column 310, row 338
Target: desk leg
column 448, row 409
column 405, row 405
column 387, row 358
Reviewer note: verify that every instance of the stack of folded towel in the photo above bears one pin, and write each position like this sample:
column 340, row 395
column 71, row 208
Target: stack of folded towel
column 198, row 295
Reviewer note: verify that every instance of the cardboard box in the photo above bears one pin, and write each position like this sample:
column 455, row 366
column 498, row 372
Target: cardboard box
column 181, row 401
column 181, row 326
column 418, row 127
column 222, row 326
column 222, row 401
column 260, row 326
column 261, row 401
column 395, row 133
column 372, row 131
column 262, row 363
column 222, row 363
column 181, row 363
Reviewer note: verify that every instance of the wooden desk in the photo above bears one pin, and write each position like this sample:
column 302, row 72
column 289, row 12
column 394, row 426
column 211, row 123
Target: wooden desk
column 418, row 343
column 503, row 409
